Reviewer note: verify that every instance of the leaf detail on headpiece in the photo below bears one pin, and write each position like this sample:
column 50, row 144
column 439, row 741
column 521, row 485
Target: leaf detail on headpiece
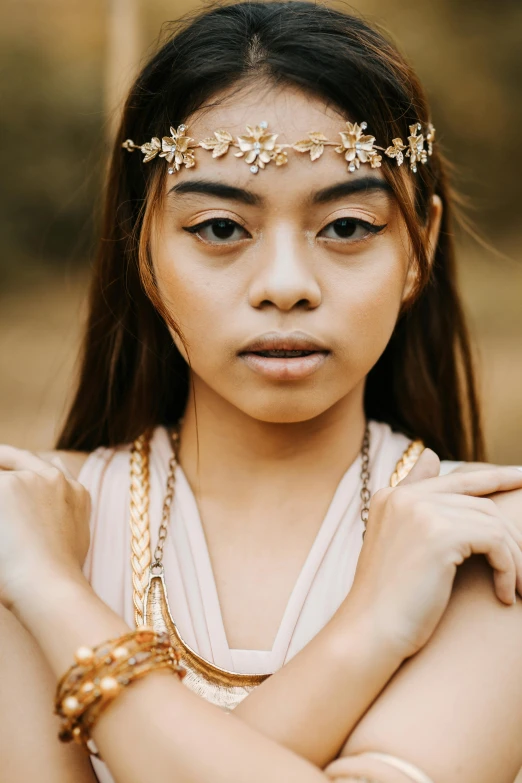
column 416, row 151
column 150, row 149
column 219, row 144
column 396, row 151
column 314, row 144
column 189, row 159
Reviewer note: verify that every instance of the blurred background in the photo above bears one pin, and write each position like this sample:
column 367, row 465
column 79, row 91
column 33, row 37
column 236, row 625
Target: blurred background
column 65, row 65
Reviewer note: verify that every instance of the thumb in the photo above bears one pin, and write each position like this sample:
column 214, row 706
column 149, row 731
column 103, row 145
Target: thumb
column 427, row 466
column 58, row 463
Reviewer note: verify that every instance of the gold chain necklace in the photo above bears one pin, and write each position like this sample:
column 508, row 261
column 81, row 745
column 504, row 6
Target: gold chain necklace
column 151, row 606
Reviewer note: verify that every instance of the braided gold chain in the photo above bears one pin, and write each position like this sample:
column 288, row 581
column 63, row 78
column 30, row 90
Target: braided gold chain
column 139, row 521
column 407, row 461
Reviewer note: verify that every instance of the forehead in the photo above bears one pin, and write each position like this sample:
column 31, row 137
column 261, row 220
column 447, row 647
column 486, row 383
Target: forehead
column 292, row 115
column 289, row 111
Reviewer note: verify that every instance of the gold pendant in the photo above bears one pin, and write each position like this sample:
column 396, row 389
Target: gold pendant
column 218, row 686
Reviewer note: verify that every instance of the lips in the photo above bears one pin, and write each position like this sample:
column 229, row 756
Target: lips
column 284, row 356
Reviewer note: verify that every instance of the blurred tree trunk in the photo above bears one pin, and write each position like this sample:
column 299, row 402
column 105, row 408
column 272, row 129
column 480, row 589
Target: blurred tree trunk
column 123, row 53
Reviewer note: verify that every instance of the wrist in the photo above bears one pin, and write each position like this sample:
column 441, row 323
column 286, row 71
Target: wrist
column 37, row 591
column 356, row 623
column 62, row 612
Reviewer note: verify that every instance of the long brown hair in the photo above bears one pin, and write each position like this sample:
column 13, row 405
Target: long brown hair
column 132, row 376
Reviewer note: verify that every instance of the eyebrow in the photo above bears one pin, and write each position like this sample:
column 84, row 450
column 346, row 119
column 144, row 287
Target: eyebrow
column 325, row 195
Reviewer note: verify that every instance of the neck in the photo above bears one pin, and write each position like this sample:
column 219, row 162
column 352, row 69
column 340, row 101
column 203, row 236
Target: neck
column 225, row 451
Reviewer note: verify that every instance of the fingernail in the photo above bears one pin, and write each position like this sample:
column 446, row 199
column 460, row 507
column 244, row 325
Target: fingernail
column 514, row 600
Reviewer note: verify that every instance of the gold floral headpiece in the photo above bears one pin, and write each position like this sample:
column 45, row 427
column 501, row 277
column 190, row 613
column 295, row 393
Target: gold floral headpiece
column 259, row 147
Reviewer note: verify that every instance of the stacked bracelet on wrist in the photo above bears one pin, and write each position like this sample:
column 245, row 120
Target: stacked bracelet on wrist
column 100, row 673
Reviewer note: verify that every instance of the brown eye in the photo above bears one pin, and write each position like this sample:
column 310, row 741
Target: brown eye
column 352, row 228
column 216, row 229
column 345, row 228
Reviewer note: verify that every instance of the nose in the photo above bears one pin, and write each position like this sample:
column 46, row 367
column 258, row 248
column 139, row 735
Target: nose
column 285, row 274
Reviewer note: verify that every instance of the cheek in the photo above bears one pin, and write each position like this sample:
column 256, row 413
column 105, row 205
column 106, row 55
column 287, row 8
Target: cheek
column 200, row 304
column 367, row 304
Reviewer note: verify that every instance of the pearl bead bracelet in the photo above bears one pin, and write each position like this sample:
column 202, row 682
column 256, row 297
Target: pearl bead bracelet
column 100, row 673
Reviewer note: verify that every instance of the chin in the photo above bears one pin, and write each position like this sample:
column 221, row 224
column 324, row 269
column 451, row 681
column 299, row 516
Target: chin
column 293, row 409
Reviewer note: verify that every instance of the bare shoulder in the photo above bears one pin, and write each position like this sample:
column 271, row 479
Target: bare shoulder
column 72, row 460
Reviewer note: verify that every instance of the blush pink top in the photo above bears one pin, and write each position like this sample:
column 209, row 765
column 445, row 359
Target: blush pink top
column 323, row 583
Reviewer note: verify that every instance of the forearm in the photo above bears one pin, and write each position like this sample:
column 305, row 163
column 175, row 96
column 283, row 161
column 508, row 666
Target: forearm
column 312, row 704
column 156, row 728
column 28, row 747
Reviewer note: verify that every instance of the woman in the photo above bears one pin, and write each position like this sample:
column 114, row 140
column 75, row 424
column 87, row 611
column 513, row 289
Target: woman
column 287, row 327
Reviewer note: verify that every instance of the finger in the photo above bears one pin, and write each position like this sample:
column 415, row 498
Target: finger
column 427, row 466
column 58, row 463
column 513, row 540
column 482, row 503
column 516, row 553
column 477, row 482
column 487, row 506
column 12, row 458
column 481, row 537
column 486, row 511
column 504, row 572
column 514, row 530
column 466, row 467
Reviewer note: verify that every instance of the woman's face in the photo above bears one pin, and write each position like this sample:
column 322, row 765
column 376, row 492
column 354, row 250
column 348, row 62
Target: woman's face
column 305, row 258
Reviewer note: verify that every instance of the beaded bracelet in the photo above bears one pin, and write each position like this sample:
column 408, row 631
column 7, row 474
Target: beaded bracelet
column 100, row 673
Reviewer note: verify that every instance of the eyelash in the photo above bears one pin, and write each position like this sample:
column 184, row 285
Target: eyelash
column 371, row 228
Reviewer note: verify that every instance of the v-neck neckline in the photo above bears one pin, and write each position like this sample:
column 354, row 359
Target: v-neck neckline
column 187, row 506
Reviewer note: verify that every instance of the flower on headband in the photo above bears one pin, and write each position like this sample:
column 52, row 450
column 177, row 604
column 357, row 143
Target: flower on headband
column 219, row 144
column 259, row 147
column 396, row 151
column 279, row 156
column 314, row 144
column 358, row 148
column 175, row 149
column 374, row 159
column 416, row 151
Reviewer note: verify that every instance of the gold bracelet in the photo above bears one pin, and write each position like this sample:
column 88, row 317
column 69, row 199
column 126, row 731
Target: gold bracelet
column 100, row 673
column 359, row 779
column 406, row 767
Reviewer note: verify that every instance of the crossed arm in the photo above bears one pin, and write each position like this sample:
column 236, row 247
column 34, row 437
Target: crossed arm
column 454, row 709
